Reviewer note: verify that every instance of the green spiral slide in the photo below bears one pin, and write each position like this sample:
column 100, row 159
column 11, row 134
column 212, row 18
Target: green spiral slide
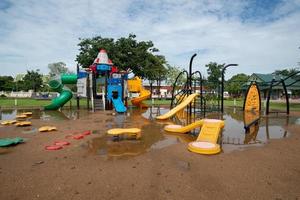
column 57, row 85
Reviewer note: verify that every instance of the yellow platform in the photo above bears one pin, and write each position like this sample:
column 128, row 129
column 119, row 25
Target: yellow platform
column 179, row 107
column 23, row 123
column 47, row 128
column 8, row 122
column 27, row 113
column 22, row 116
column 131, row 132
column 206, row 142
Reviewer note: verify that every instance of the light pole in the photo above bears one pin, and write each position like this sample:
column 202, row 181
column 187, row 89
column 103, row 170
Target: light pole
column 222, row 85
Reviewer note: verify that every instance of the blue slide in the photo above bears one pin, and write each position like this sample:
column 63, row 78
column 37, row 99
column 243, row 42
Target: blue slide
column 119, row 106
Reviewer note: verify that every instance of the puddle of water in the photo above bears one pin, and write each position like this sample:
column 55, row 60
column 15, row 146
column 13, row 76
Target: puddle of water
column 153, row 136
column 30, row 130
column 9, row 114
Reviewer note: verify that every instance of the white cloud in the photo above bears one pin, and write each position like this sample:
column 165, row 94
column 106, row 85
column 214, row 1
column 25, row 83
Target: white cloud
column 35, row 33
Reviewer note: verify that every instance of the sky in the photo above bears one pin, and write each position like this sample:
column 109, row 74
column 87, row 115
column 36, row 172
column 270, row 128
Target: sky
column 259, row 35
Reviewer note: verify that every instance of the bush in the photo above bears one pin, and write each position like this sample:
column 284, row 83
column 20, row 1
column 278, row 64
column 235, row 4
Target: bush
column 3, row 95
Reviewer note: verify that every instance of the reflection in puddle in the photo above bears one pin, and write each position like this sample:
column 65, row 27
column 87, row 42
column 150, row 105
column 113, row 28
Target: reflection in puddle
column 30, row 130
column 9, row 114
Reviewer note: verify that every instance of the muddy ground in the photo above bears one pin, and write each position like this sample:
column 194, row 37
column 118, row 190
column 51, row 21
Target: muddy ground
column 28, row 171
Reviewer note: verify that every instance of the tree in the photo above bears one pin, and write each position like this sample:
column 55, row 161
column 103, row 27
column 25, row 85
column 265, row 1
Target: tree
column 234, row 84
column 125, row 52
column 6, row 83
column 172, row 74
column 154, row 69
column 286, row 72
column 32, row 80
column 214, row 71
column 58, row 68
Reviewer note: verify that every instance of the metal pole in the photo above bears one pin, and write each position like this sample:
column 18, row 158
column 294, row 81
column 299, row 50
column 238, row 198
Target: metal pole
column 88, row 91
column 269, row 96
column 222, row 85
column 190, row 72
column 77, row 89
column 286, row 97
column 190, row 81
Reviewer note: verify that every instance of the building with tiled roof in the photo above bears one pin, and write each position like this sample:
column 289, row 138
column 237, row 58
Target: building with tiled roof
column 264, row 81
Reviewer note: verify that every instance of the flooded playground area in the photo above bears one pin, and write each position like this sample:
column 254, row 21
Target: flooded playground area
column 72, row 122
column 99, row 166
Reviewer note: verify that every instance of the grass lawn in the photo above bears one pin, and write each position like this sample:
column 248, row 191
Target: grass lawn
column 26, row 102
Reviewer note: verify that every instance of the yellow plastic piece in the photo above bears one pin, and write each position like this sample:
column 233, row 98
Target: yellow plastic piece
column 183, row 129
column 8, row 122
column 24, row 123
column 206, row 142
column 47, row 128
column 135, row 132
column 144, row 94
column 179, row 107
column 136, row 85
column 22, row 116
column 27, row 113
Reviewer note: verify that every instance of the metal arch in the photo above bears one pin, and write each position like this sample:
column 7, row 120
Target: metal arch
column 285, row 93
column 182, row 91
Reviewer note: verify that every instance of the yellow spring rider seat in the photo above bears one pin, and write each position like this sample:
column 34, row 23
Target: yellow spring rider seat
column 206, row 142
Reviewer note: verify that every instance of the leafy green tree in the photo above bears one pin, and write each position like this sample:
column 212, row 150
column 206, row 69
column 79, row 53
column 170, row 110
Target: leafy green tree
column 58, row 68
column 32, row 80
column 154, row 69
column 234, row 84
column 125, row 52
column 287, row 72
column 172, row 74
column 6, row 83
column 214, row 71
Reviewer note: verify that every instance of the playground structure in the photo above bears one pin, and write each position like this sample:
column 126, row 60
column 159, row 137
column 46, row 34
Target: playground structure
column 103, row 85
column 108, row 88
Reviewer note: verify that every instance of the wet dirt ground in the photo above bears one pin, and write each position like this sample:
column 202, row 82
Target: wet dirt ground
column 158, row 166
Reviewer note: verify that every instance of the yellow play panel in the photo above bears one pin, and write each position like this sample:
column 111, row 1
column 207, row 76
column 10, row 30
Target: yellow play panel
column 47, row 128
column 8, row 122
column 131, row 132
column 23, row 123
column 206, row 142
column 21, row 116
column 27, row 113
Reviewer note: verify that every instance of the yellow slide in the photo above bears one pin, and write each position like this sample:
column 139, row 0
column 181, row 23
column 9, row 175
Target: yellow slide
column 138, row 101
column 179, row 107
column 183, row 129
column 135, row 85
column 206, row 142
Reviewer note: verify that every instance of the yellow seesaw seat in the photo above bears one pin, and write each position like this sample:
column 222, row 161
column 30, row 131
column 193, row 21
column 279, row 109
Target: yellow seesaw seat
column 135, row 132
column 206, row 142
